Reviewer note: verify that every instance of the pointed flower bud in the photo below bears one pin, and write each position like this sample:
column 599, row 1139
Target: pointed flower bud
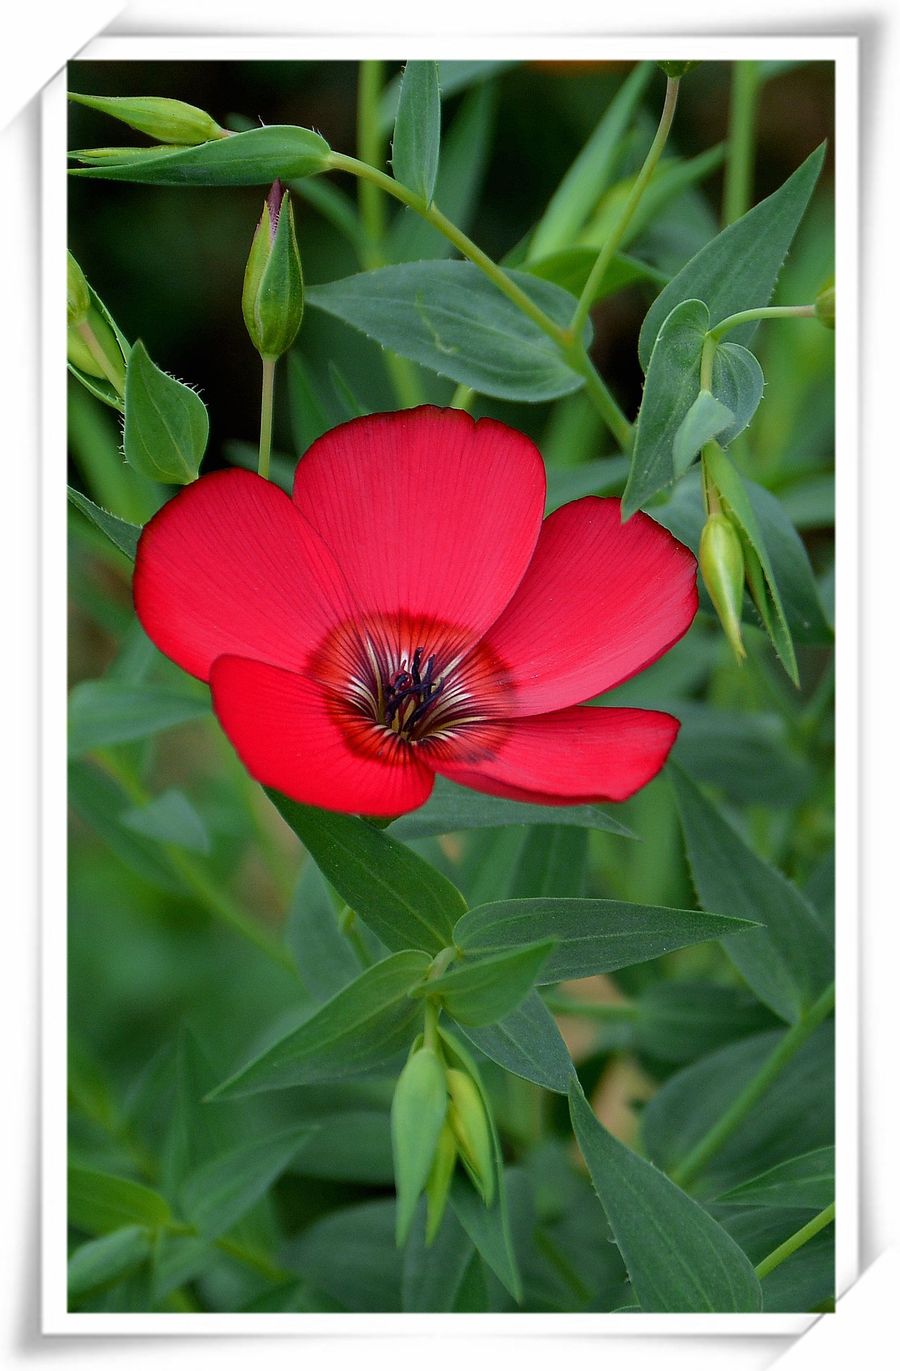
column 78, row 296
column 722, row 565
column 438, row 1185
column 418, row 1112
column 272, row 299
column 468, row 1119
column 824, row 305
column 168, row 121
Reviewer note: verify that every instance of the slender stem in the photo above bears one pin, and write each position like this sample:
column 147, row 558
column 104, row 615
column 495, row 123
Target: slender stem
column 722, row 1129
column 795, row 1241
column 204, row 888
column 87, row 335
column 608, row 251
column 622, row 1011
column 370, row 146
column 258, row 1261
column 432, row 1015
column 741, row 138
column 265, row 415
column 710, row 343
column 750, row 316
column 602, row 397
column 463, row 398
column 347, row 925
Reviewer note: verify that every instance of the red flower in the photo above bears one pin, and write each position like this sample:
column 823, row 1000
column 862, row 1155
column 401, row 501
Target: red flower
column 408, row 612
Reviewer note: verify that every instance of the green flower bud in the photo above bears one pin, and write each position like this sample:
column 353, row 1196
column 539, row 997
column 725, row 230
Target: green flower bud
column 272, row 299
column 78, row 295
column 676, row 69
column 418, row 1112
column 438, row 1185
column 722, row 565
column 466, row 1116
column 169, row 121
column 824, row 304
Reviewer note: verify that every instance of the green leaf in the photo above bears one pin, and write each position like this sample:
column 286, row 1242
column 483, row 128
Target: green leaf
column 528, row 1043
column 483, row 991
column 121, row 534
column 103, row 713
column 308, row 415
column 100, row 1202
column 671, row 387
column 354, row 1146
column 464, row 158
column 453, row 77
column 166, row 423
column 750, row 757
column 416, row 143
column 454, row 808
column 324, row 957
column 222, row 1190
column 351, row 1255
column 402, row 899
column 418, row 1111
column 738, row 382
column 679, row 1259
column 706, row 417
column 450, row 318
column 571, row 267
column 592, row 936
column 599, row 476
column 98, row 1263
column 432, row 1276
column 788, row 961
column 254, row 158
column 101, row 801
column 364, row 1026
column 738, row 269
column 791, row 570
column 795, row 1115
column 678, row 1021
column 805, row 1182
column 169, row 818
column 591, row 172
column 552, row 862
column 803, row 1282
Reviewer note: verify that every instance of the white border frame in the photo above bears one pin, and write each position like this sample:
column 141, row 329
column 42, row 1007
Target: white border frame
column 56, row 1319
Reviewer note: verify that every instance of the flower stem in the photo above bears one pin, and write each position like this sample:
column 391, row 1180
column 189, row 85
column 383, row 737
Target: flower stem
column 347, row 925
column 795, row 1241
column 371, row 149
column 750, row 316
column 602, row 397
column 741, row 138
column 712, row 1141
column 265, row 415
column 610, row 247
column 618, row 1011
column 463, row 398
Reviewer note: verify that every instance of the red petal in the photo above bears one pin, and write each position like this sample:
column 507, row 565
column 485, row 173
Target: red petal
column 574, row 756
column 229, row 565
column 600, row 601
column 427, row 512
column 286, row 733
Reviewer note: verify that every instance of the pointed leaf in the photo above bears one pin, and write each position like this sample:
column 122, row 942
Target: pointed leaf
column 166, row 423
column 592, row 936
column 255, row 158
column 805, row 1182
column 95, row 1264
column 402, row 899
column 364, row 1026
column 221, row 1191
column 100, row 1202
column 706, row 417
column 480, row 992
column 453, row 808
column 789, row 960
column 528, row 1043
column 102, row 713
column 738, row 269
column 169, row 818
column 123, row 535
column 417, row 129
column 679, row 1259
column 737, row 381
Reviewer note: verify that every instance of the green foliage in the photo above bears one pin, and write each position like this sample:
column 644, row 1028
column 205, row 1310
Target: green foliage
column 453, row 808
column 485, row 989
column 102, row 713
column 120, row 533
column 805, row 1182
column 254, row 158
column 417, row 129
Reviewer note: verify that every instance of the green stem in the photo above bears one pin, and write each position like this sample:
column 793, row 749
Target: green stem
column 623, row 1011
column 795, row 1241
column 750, row 316
column 207, row 892
column 371, row 147
column 258, row 1261
column 721, row 1131
column 347, row 925
column 265, row 414
column 463, row 398
column 741, row 138
column 610, row 247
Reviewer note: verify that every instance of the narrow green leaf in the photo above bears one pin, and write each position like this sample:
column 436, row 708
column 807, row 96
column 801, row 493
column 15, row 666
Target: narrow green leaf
column 453, row 78
column 123, row 535
column 103, row 713
column 353, row 1145
column 453, row 808
column 671, row 387
column 592, row 170
column 418, row 1111
column 679, row 1259
column 351, row 1255
column 791, row 570
column 750, row 757
column 789, row 960
column 101, row 801
column 255, row 158
column 483, row 991
column 169, row 818
column 738, row 382
column 100, row 1202
column 324, row 957
column 416, row 143
column 402, row 899
column 678, row 1021
column 552, row 862
column 222, row 1190
column 166, row 423
column 738, row 269
column 570, row 268
column 592, row 936
column 362, row 1027
column 706, row 418
column 95, row 1264
column 308, row 414
column 432, row 1276
column 599, row 476
column 450, row 318
column 351, row 405
column 528, row 1043
column 805, row 1182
